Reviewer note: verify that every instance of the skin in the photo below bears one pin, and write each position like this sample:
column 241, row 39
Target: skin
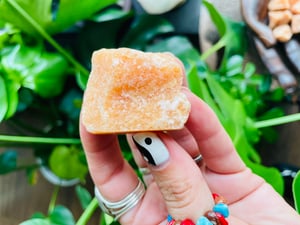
column 171, row 189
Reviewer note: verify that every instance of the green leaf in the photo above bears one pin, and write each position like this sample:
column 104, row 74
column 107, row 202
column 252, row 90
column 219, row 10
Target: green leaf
column 72, row 11
column 69, row 12
column 70, row 104
column 40, row 11
column 65, row 162
column 101, row 31
column 62, row 216
column 179, row 46
column 25, row 99
column 34, row 68
column 143, row 29
column 232, row 35
column 8, row 161
column 32, row 175
column 216, row 17
column 84, row 196
column 249, row 70
column 3, row 99
column 47, row 77
column 110, row 14
column 296, row 191
column 234, row 65
column 38, row 215
column 108, row 220
column 12, row 97
column 36, row 221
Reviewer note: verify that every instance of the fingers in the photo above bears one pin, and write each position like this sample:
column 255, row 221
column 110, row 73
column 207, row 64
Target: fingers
column 107, row 166
column 186, row 194
column 215, row 145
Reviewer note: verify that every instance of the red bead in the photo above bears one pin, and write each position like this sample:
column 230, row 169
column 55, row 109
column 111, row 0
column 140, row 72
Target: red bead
column 222, row 219
column 218, row 198
column 215, row 195
column 172, row 222
column 187, row 222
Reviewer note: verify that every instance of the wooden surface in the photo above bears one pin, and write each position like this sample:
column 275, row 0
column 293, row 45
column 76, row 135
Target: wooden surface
column 19, row 200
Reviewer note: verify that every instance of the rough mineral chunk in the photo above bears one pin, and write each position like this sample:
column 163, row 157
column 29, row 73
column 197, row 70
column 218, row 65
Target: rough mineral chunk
column 130, row 91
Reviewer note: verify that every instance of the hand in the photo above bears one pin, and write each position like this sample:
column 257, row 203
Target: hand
column 178, row 186
column 255, row 13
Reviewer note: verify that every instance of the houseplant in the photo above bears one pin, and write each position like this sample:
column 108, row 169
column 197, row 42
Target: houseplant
column 60, row 45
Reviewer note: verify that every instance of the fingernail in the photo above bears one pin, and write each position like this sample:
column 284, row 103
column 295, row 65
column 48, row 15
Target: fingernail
column 152, row 148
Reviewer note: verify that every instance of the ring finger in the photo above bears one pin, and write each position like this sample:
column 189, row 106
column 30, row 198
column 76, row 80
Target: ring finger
column 112, row 175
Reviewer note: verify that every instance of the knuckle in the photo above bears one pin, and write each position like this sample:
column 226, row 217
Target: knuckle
column 178, row 194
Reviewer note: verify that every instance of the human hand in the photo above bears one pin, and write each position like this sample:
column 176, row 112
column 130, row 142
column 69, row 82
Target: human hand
column 276, row 57
column 178, row 186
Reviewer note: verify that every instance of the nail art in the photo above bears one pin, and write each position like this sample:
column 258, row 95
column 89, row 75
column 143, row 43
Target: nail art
column 151, row 147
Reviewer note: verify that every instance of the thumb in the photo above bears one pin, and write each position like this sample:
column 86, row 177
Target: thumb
column 178, row 177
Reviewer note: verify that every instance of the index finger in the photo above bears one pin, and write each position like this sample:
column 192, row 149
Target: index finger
column 214, row 143
column 107, row 165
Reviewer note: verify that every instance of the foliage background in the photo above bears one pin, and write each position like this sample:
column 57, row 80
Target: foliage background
column 45, row 50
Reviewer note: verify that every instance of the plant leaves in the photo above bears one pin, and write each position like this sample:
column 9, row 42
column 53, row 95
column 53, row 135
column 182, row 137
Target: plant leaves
column 38, row 11
column 34, row 68
column 8, row 161
column 143, row 29
column 72, row 11
column 179, row 46
column 84, row 196
column 62, row 216
column 3, row 99
column 36, row 221
column 101, row 31
column 232, row 34
column 67, row 14
column 65, row 162
column 296, row 191
column 47, row 77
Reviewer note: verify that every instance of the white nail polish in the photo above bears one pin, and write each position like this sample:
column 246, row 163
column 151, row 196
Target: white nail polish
column 151, row 147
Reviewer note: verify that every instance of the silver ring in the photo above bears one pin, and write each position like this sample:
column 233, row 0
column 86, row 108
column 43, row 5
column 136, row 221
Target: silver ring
column 117, row 209
column 145, row 171
column 198, row 159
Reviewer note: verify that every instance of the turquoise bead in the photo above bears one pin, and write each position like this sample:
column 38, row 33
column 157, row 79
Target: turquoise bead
column 203, row 221
column 222, row 209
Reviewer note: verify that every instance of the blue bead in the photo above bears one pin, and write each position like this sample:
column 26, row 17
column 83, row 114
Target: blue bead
column 222, row 209
column 169, row 218
column 203, row 221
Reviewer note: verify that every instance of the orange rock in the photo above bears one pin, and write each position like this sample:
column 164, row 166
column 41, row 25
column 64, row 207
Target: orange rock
column 295, row 25
column 295, row 8
column 277, row 18
column 131, row 91
column 278, row 5
column 283, row 33
column 292, row 2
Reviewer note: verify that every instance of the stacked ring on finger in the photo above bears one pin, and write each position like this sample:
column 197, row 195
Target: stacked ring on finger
column 119, row 208
column 198, row 159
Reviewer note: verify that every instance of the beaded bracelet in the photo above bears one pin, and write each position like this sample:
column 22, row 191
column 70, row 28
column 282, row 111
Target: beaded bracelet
column 216, row 216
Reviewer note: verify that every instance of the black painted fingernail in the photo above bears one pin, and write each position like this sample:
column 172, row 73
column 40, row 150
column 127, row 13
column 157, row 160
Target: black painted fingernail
column 152, row 148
